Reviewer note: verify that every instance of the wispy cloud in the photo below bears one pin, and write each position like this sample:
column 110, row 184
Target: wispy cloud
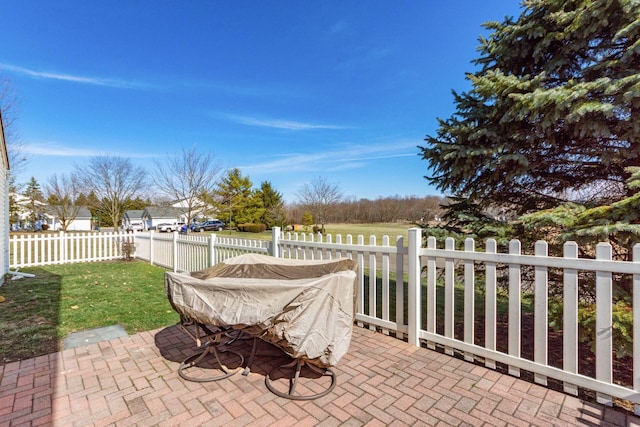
column 233, row 89
column 279, row 124
column 96, row 81
column 347, row 157
column 339, row 27
column 56, row 149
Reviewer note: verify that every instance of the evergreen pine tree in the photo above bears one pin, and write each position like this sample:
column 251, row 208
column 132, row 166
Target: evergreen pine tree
column 552, row 115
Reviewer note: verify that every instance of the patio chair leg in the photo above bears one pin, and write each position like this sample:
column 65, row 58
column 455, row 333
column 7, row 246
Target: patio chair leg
column 247, row 369
column 299, row 363
column 210, row 348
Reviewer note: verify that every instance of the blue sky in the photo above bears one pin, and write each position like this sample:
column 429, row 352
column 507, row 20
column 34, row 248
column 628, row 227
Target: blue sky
column 287, row 91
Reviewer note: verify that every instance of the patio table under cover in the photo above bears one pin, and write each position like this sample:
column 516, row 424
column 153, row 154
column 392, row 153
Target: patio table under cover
column 304, row 307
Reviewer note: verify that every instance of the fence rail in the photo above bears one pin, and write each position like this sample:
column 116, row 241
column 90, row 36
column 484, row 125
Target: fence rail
column 438, row 297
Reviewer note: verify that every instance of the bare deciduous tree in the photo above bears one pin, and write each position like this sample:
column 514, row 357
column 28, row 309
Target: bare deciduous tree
column 114, row 181
column 62, row 194
column 9, row 107
column 186, row 177
column 320, row 197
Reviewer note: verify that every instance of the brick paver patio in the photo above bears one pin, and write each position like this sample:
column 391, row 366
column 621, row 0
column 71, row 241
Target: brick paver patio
column 381, row 381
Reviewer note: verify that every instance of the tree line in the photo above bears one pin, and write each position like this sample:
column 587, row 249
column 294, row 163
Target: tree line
column 110, row 186
column 411, row 209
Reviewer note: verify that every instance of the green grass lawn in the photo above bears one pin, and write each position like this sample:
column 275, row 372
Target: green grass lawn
column 38, row 313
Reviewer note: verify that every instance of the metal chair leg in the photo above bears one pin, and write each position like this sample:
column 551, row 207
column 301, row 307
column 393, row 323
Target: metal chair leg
column 247, row 369
column 193, row 360
column 299, row 363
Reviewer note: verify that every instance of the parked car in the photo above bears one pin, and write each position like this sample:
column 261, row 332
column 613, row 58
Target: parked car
column 212, row 225
column 167, row 227
column 135, row 226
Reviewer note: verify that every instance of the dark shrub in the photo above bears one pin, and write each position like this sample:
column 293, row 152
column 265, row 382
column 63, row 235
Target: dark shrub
column 252, row 228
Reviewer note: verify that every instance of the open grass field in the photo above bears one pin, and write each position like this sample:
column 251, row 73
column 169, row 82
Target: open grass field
column 391, row 229
column 38, row 313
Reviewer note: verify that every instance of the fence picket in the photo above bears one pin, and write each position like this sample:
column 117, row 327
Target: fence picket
column 430, row 309
column 604, row 325
column 360, row 261
column 469, row 298
column 515, row 306
column 385, row 283
column 373, row 283
column 491, row 303
column 399, row 284
column 636, row 327
column 570, row 318
column 541, row 312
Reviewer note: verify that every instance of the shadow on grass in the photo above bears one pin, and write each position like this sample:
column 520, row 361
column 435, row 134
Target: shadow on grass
column 29, row 316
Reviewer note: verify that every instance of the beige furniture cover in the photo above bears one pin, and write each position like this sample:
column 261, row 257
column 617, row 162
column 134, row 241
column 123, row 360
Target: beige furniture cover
column 304, row 307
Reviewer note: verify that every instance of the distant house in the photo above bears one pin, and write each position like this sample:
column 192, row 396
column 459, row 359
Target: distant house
column 82, row 221
column 199, row 209
column 4, row 210
column 133, row 216
column 24, row 207
column 156, row 215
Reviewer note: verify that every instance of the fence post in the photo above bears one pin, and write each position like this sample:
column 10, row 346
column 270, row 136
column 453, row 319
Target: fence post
column 449, row 293
column 275, row 242
column 175, row 252
column 151, row 233
column 413, row 294
column 63, row 247
column 212, row 250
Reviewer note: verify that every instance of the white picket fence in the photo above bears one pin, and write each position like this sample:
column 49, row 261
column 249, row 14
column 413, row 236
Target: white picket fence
column 30, row 250
column 393, row 276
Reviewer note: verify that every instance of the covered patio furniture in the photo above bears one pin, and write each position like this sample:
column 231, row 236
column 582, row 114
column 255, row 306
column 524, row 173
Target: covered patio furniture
column 303, row 307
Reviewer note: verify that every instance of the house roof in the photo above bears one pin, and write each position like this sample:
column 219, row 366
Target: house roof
column 134, row 213
column 22, row 200
column 83, row 212
column 183, row 203
column 156, row 212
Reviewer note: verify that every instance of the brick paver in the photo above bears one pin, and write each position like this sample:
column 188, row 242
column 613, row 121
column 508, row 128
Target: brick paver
column 381, row 381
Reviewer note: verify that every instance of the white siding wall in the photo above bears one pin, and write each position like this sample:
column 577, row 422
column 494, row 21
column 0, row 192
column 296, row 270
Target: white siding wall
column 80, row 225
